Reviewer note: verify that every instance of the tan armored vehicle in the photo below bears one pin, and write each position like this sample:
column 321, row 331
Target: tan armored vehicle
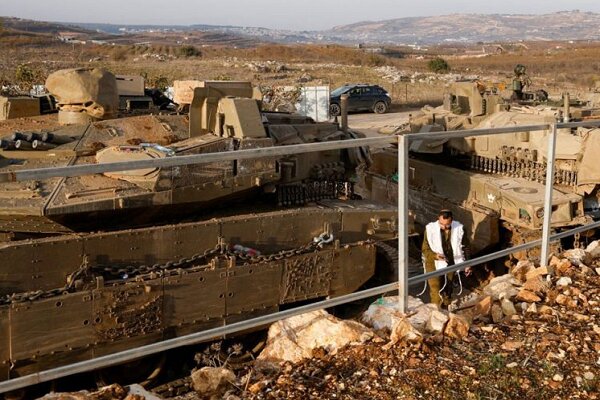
column 523, row 155
column 26, row 106
column 466, row 104
column 217, row 122
column 494, row 209
column 78, row 295
column 495, row 183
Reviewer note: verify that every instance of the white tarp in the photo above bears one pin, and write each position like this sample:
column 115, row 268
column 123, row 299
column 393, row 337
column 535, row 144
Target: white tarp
column 314, row 102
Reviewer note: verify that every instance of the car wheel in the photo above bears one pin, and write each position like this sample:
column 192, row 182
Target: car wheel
column 380, row 107
column 334, row 109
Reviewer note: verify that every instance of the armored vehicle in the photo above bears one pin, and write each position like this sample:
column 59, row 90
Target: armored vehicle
column 522, row 155
column 495, row 183
column 71, row 298
column 103, row 263
column 495, row 210
column 218, row 121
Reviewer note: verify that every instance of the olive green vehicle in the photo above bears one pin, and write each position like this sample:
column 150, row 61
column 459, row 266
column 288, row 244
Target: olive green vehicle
column 97, row 264
column 494, row 183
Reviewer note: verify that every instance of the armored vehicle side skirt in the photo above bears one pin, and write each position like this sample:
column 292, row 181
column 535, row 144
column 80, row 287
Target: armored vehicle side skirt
column 74, row 298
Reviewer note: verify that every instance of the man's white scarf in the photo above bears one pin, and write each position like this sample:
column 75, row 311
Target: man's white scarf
column 434, row 238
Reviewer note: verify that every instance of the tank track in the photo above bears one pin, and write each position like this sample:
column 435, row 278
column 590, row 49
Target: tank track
column 174, row 388
column 530, row 170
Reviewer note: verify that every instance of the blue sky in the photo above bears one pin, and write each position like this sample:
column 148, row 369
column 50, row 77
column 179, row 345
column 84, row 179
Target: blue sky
column 281, row 14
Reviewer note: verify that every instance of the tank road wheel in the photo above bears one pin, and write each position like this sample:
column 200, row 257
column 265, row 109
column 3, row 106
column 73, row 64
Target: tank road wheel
column 143, row 371
column 335, row 109
column 380, row 107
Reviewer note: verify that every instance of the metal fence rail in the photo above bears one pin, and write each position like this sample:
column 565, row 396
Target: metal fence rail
column 199, row 337
column 88, row 169
column 403, row 280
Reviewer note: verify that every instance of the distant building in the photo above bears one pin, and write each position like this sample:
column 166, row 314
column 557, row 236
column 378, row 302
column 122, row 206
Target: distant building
column 71, row 37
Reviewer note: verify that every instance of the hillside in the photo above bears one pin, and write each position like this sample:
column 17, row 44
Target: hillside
column 462, row 28
column 39, row 27
column 17, row 31
column 454, row 28
column 177, row 34
column 567, row 25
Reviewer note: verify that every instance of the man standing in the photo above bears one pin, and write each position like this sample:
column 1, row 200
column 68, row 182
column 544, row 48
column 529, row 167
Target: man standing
column 443, row 246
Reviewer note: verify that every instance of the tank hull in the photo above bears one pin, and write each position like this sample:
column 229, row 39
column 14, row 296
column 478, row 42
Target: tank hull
column 136, row 287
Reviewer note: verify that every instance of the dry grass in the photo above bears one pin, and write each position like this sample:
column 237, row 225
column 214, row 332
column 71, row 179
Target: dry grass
column 570, row 67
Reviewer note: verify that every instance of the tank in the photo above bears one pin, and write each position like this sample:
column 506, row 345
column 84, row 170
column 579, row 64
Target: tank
column 523, row 155
column 218, row 122
column 494, row 184
column 109, row 262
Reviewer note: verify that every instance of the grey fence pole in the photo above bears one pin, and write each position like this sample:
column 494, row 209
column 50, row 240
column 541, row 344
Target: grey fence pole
column 403, row 222
column 548, row 196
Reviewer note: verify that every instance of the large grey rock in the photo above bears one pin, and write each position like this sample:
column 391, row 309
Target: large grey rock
column 421, row 317
column 577, row 256
column 593, row 249
column 505, row 286
column 295, row 338
column 384, row 313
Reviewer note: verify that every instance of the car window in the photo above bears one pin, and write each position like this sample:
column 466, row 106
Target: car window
column 339, row 91
column 367, row 91
column 355, row 92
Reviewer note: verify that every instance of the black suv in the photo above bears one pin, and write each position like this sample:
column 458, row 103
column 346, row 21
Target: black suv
column 361, row 98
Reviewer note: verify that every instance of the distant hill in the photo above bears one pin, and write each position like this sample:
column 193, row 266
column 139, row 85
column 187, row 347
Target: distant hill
column 39, row 27
column 461, row 28
column 24, row 32
column 466, row 28
column 469, row 28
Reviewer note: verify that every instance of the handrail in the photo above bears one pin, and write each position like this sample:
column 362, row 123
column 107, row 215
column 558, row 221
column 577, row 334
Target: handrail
column 403, row 281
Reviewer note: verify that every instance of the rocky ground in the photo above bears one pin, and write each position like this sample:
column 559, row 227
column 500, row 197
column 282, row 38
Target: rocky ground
column 533, row 333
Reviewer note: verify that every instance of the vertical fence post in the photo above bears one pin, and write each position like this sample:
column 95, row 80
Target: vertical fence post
column 548, row 195
column 403, row 223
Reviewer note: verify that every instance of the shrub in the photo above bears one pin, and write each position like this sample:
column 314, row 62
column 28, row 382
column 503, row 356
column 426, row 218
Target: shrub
column 119, row 54
column 25, row 75
column 221, row 77
column 438, row 65
column 189, row 51
column 160, row 82
column 375, row 61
